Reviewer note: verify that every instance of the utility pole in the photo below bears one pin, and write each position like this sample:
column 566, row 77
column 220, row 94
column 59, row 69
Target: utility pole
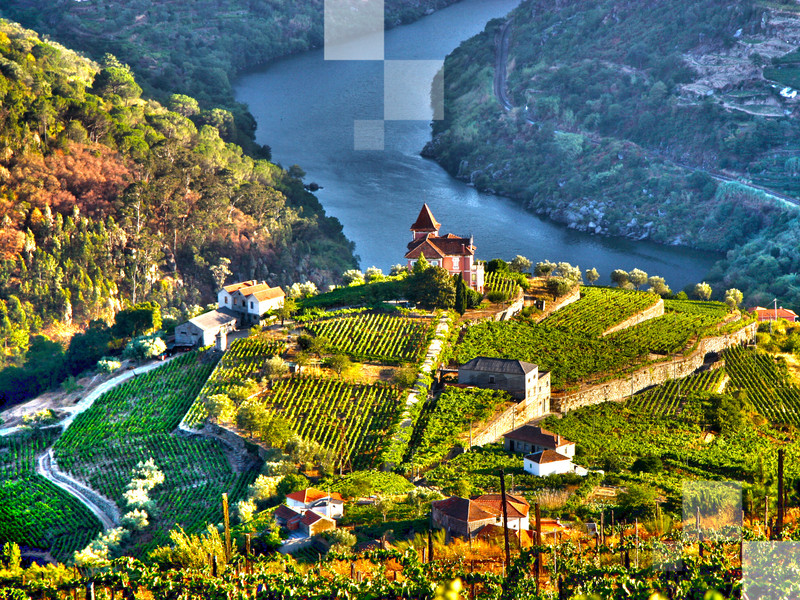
column 781, row 498
column 505, row 518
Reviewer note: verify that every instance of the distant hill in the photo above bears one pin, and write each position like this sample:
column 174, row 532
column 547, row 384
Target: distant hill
column 642, row 123
column 194, row 48
column 106, row 197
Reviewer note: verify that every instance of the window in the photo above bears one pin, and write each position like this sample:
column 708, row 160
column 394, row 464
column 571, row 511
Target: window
column 456, row 261
column 226, row 299
column 491, row 378
column 251, row 304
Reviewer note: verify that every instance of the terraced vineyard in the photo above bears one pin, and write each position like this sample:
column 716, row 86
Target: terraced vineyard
column 33, row 511
column 666, row 399
column 243, row 359
column 324, row 409
column 599, row 309
column 500, row 282
column 667, row 334
column 767, row 385
column 375, row 337
column 135, row 421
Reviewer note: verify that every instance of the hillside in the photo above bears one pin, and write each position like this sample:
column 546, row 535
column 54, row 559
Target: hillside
column 195, row 48
column 106, row 197
column 639, row 123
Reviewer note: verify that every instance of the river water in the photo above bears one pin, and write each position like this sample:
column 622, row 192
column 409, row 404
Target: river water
column 306, row 108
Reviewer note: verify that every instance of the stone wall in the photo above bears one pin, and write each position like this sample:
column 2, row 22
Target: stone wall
column 655, row 374
column 652, row 312
column 511, row 311
column 508, row 420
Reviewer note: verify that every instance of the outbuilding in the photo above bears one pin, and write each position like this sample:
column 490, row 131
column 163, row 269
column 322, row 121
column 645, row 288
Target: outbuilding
column 203, row 329
column 547, row 462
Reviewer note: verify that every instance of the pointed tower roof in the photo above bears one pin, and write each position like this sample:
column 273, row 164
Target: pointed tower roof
column 425, row 221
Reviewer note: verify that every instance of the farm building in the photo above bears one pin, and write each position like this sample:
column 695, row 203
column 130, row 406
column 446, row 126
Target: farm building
column 773, row 314
column 329, row 505
column 313, row 523
column 287, row 517
column 451, row 252
column 530, row 439
column 520, row 379
column 203, row 329
column 250, row 300
column 547, row 462
column 465, row 517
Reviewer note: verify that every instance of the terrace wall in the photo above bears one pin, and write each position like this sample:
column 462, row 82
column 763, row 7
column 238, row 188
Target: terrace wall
column 509, row 419
column 652, row 312
column 655, row 374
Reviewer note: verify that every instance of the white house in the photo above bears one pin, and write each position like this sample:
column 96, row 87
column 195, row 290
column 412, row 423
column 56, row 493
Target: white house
column 250, row 300
column 327, row 505
column 547, row 462
column 203, row 329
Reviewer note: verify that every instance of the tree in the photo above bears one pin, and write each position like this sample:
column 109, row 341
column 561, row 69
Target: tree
column 384, row 506
column 353, row 277
column 220, row 407
column 592, row 275
column 220, row 272
column 274, row 368
column 520, row 264
column 137, row 320
column 11, row 557
column 373, row 274
column 637, row 277
column 116, row 80
column 277, row 431
column 287, row 310
column 558, row 286
column 421, row 265
column 658, row 285
column 252, row 416
column 702, row 291
column 461, row 294
column 433, row 288
column 340, row 540
column 496, row 265
column 619, row 277
column 143, row 348
column 184, row 105
column 293, row 482
column 338, row 363
column 544, row 268
column 85, row 349
column 733, row 298
column 567, row 271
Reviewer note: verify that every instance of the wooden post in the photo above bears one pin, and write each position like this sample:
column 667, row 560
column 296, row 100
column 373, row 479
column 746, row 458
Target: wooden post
column 766, row 515
column 90, row 590
column 505, row 516
column 538, row 560
column 226, row 517
column 621, row 544
column 698, row 526
column 352, row 570
column 602, row 527
column 781, row 497
column 214, row 566
column 430, row 546
column 248, row 567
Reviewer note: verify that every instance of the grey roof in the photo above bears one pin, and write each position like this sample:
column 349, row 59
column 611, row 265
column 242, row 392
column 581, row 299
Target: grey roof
column 499, row 365
column 546, row 456
column 214, row 319
column 536, row 436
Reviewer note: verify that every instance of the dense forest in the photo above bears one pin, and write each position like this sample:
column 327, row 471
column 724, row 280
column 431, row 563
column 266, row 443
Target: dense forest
column 194, row 48
column 107, row 198
column 665, row 124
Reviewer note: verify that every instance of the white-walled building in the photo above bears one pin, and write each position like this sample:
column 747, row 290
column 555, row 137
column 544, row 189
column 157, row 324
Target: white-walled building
column 547, row 462
column 250, row 300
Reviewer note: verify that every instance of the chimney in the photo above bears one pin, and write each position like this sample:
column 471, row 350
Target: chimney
column 222, row 340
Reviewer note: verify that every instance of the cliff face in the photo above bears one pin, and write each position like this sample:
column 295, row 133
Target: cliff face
column 671, row 124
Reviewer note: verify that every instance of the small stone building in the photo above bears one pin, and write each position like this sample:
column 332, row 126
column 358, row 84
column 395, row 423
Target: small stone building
column 530, row 439
column 464, row 517
column 203, row 329
column 313, row 523
column 520, row 379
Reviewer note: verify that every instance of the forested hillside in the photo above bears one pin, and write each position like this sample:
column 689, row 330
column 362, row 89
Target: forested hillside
column 650, row 124
column 197, row 47
column 106, row 197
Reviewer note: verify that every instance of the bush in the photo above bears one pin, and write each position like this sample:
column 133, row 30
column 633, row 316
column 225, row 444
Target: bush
column 107, row 365
column 498, row 296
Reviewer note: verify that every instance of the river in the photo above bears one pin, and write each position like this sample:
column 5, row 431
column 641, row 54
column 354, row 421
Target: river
column 306, row 108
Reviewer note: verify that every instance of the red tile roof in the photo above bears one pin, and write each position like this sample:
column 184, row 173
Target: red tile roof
column 462, row 509
column 237, row 286
column 286, row 513
column 269, row 294
column 312, row 495
column 517, row 506
column 312, row 517
column 546, row 456
column 768, row 314
column 425, row 221
column 439, row 247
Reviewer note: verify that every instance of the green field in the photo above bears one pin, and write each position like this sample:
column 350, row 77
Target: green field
column 34, row 512
column 351, row 419
column 497, row 281
column 600, row 309
column 766, row 384
column 375, row 337
column 136, row 421
column 244, row 358
column 666, row 399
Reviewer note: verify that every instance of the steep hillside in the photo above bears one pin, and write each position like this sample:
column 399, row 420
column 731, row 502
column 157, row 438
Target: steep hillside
column 197, row 47
column 669, row 124
column 106, row 197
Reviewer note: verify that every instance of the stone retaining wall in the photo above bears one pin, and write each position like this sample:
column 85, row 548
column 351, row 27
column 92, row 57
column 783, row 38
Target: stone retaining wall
column 508, row 420
column 655, row 374
column 652, row 312
column 511, row 311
